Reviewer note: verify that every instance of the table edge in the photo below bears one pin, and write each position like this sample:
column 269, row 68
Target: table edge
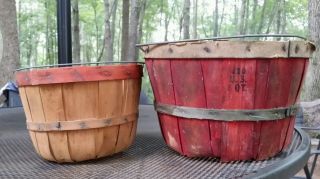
column 289, row 166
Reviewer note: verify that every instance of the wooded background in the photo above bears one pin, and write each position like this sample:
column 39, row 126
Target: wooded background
column 107, row 30
column 102, row 32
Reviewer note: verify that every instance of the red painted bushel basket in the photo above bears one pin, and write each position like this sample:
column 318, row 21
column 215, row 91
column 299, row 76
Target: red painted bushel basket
column 229, row 99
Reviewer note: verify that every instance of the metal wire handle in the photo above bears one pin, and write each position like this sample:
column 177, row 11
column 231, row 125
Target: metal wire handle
column 225, row 38
column 78, row 64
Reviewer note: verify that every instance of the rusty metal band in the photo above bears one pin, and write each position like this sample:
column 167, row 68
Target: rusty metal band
column 227, row 114
column 80, row 124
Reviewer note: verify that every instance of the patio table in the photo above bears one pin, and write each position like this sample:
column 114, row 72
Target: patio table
column 149, row 157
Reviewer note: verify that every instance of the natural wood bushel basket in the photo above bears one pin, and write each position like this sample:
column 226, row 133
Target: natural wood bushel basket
column 81, row 112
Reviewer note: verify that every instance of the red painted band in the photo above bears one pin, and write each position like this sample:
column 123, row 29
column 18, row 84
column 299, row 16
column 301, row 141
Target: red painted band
column 78, row 74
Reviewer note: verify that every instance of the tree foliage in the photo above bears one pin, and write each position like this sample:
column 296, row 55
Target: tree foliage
column 159, row 20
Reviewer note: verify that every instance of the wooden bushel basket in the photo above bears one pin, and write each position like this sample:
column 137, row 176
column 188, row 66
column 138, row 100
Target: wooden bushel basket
column 229, row 99
column 81, row 112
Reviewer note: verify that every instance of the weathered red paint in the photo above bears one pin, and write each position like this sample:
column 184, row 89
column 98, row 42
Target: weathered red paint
column 164, row 93
column 227, row 84
column 78, row 74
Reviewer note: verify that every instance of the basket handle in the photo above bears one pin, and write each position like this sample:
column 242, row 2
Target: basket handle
column 221, row 38
column 79, row 64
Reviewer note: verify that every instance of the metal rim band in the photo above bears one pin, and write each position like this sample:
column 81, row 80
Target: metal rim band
column 80, row 124
column 227, row 114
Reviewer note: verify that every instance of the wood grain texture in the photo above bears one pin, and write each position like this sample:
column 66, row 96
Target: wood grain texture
column 262, row 76
column 53, row 109
column 189, row 91
column 131, row 91
column 231, row 49
column 278, row 89
column 298, row 75
column 111, row 102
column 161, row 78
column 85, row 109
column 239, row 89
column 228, row 84
column 215, row 96
column 81, row 102
column 78, row 74
column 27, row 112
column 36, row 108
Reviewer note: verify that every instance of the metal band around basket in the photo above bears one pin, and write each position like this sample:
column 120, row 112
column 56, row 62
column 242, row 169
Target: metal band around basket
column 80, row 124
column 227, row 115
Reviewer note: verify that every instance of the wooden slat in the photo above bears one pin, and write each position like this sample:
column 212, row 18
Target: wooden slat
column 161, row 80
column 150, row 70
column 111, row 101
column 132, row 106
column 212, row 74
column 189, row 91
column 124, row 139
column 229, row 143
column 35, row 104
column 278, row 88
column 296, row 84
column 133, row 131
column 27, row 112
column 131, row 88
column 239, row 83
column 262, row 73
column 54, row 111
column 81, row 102
column 246, row 129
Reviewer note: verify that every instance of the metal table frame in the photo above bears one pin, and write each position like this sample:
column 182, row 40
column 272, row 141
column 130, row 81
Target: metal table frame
column 148, row 157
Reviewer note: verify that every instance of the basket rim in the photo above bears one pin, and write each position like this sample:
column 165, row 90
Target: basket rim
column 75, row 74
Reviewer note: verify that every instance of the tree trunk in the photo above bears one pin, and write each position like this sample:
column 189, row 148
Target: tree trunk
column 253, row 18
column 186, row 19
column 99, row 51
column 204, row 30
column 195, row 19
column 48, row 54
column 108, row 39
column 312, row 86
column 259, row 30
column 279, row 18
column 125, row 29
column 133, row 30
column 140, row 28
column 75, row 32
column 216, row 17
column 242, row 17
column 166, row 23
column 9, row 44
column 166, row 26
column 113, row 28
column 236, row 13
column 284, row 17
column 221, row 17
column 273, row 14
column 246, row 20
